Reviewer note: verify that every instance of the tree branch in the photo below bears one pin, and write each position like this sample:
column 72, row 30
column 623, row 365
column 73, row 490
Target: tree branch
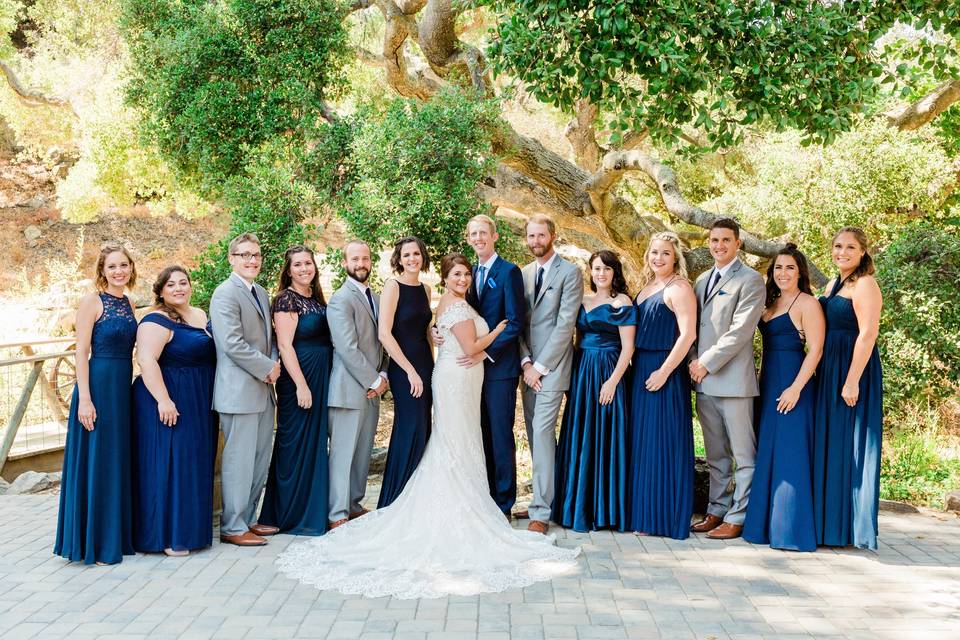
column 32, row 98
column 582, row 135
column 924, row 110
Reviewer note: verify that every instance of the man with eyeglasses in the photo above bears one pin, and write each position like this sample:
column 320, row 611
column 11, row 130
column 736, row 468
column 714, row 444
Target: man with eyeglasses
column 247, row 367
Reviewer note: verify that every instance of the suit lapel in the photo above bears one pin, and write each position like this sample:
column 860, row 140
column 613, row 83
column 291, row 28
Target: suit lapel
column 247, row 297
column 551, row 276
column 724, row 280
column 363, row 300
column 494, row 270
column 529, row 273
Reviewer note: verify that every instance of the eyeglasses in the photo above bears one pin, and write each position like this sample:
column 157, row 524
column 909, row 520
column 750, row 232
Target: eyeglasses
column 246, row 256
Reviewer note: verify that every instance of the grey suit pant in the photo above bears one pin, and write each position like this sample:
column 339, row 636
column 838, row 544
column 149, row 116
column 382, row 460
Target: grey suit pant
column 248, row 439
column 729, row 438
column 351, row 443
column 540, row 412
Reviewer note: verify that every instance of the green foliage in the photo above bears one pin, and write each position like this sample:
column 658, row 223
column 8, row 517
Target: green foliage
column 919, row 274
column 915, row 467
column 719, row 65
column 214, row 81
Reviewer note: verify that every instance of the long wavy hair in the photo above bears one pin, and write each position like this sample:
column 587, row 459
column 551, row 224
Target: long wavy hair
column 866, row 266
column 159, row 304
column 680, row 265
column 773, row 291
column 106, row 250
column 619, row 284
column 286, row 280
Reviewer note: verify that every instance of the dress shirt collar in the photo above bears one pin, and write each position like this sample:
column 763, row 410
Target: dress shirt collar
column 489, row 263
column 725, row 269
column 546, row 266
column 241, row 280
column 361, row 286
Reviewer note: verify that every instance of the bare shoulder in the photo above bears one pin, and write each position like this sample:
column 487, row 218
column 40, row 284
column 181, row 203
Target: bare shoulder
column 90, row 301
column 622, row 300
column 829, row 286
column 808, row 303
column 867, row 286
column 678, row 289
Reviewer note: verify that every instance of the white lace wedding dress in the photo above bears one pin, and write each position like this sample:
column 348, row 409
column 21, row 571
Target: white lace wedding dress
column 444, row 535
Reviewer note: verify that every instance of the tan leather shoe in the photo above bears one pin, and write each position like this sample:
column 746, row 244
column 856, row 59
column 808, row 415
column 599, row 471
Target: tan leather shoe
column 338, row 523
column 357, row 514
column 264, row 529
column 726, row 531
column 538, row 527
column 709, row 523
column 245, row 539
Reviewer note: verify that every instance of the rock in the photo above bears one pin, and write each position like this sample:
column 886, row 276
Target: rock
column 4, row 486
column 951, row 501
column 35, row 202
column 378, row 460
column 33, row 482
column 32, row 232
column 897, row 507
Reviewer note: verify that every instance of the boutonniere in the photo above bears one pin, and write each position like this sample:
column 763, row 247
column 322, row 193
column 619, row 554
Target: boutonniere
column 491, row 282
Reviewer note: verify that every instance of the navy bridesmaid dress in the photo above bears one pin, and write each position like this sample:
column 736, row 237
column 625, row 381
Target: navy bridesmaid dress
column 411, row 417
column 94, row 523
column 846, row 461
column 297, row 484
column 780, row 512
column 592, row 450
column 173, row 466
column 661, row 430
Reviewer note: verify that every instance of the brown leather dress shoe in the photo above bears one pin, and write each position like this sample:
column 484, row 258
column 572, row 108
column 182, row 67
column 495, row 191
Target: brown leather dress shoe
column 357, row 514
column 709, row 523
column 334, row 525
column 726, row 531
column 245, row 539
column 522, row 514
column 264, row 529
column 538, row 527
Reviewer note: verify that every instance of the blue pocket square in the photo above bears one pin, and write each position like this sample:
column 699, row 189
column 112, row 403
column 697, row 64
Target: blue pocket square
column 721, row 292
column 491, row 282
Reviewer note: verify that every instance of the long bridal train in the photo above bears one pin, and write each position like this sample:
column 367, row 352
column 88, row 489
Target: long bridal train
column 444, row 535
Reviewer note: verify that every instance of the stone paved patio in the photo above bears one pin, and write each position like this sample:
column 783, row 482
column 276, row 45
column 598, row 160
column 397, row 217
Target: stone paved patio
column 628, row 587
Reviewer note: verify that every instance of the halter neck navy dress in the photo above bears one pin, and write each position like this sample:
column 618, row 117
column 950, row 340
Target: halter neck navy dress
column 591, row 471
column 173, row 466
column 661, row 430
column 846, row 462
column 780, row 512
column 411, row 416
column 296, row 496
column 94, row 523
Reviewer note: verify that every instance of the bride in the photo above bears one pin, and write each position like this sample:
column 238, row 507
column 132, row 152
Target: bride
column 444, row 535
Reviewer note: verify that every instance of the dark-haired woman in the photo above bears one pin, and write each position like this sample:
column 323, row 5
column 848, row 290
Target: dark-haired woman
column 93, row 525
column 780, row 512
column 591, row 472
column 295, row 500
column 849, row 401
column 175, row 429
column 405, row 318
column 660, row 435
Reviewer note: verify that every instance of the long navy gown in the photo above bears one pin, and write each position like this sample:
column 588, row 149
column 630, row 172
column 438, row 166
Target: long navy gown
column 780, row 512
column 173, row 466
column 411, row 417
column 846, row 458
column 297, row 484
column 592, row 471
column 94, row 523
column 661, row 430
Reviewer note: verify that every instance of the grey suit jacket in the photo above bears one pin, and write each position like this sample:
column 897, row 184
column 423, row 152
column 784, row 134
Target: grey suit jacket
column 246, row 351
column 727, row 321
column 547, row 337
column 358, row 357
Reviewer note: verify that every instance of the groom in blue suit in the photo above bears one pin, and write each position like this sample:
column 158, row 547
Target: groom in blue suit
column 497, row 294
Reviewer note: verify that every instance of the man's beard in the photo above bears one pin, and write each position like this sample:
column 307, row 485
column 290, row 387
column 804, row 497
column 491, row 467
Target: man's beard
column 353, row 274
column 541, row 251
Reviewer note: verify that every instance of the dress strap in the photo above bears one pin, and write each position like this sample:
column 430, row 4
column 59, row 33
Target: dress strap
column 838, row 285
column 795, row 298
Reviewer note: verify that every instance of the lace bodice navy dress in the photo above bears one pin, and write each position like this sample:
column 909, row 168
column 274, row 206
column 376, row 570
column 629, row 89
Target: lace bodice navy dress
column 661, row 430
column 444, row 534
column 94, row 522
column 592, row 471
column 411, row 416
column 846, row 450
column 780, row 512
column 297, row 484
column 173, row 466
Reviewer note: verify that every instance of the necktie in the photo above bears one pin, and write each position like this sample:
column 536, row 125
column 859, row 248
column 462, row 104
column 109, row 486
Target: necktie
column 713, row 283
column 253, row 290
column 481, row 278
column 370, row 300
column 536, row 287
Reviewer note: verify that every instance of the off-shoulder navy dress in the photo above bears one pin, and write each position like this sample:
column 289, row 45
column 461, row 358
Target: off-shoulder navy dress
column 94, row 523
column 780, row 512
column 297, row 484
column 592, row 471
column 846, row 450
column 661, row 430
column 173, row 466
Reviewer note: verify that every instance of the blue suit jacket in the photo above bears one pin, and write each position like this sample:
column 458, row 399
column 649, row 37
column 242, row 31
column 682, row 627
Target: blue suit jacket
column 501, row 298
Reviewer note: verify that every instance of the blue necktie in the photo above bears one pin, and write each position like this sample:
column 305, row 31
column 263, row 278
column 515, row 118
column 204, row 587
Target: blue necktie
column 539, row 283
column 481, row 279
column 713, row 283
column 253, row 290
column 370, row 300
